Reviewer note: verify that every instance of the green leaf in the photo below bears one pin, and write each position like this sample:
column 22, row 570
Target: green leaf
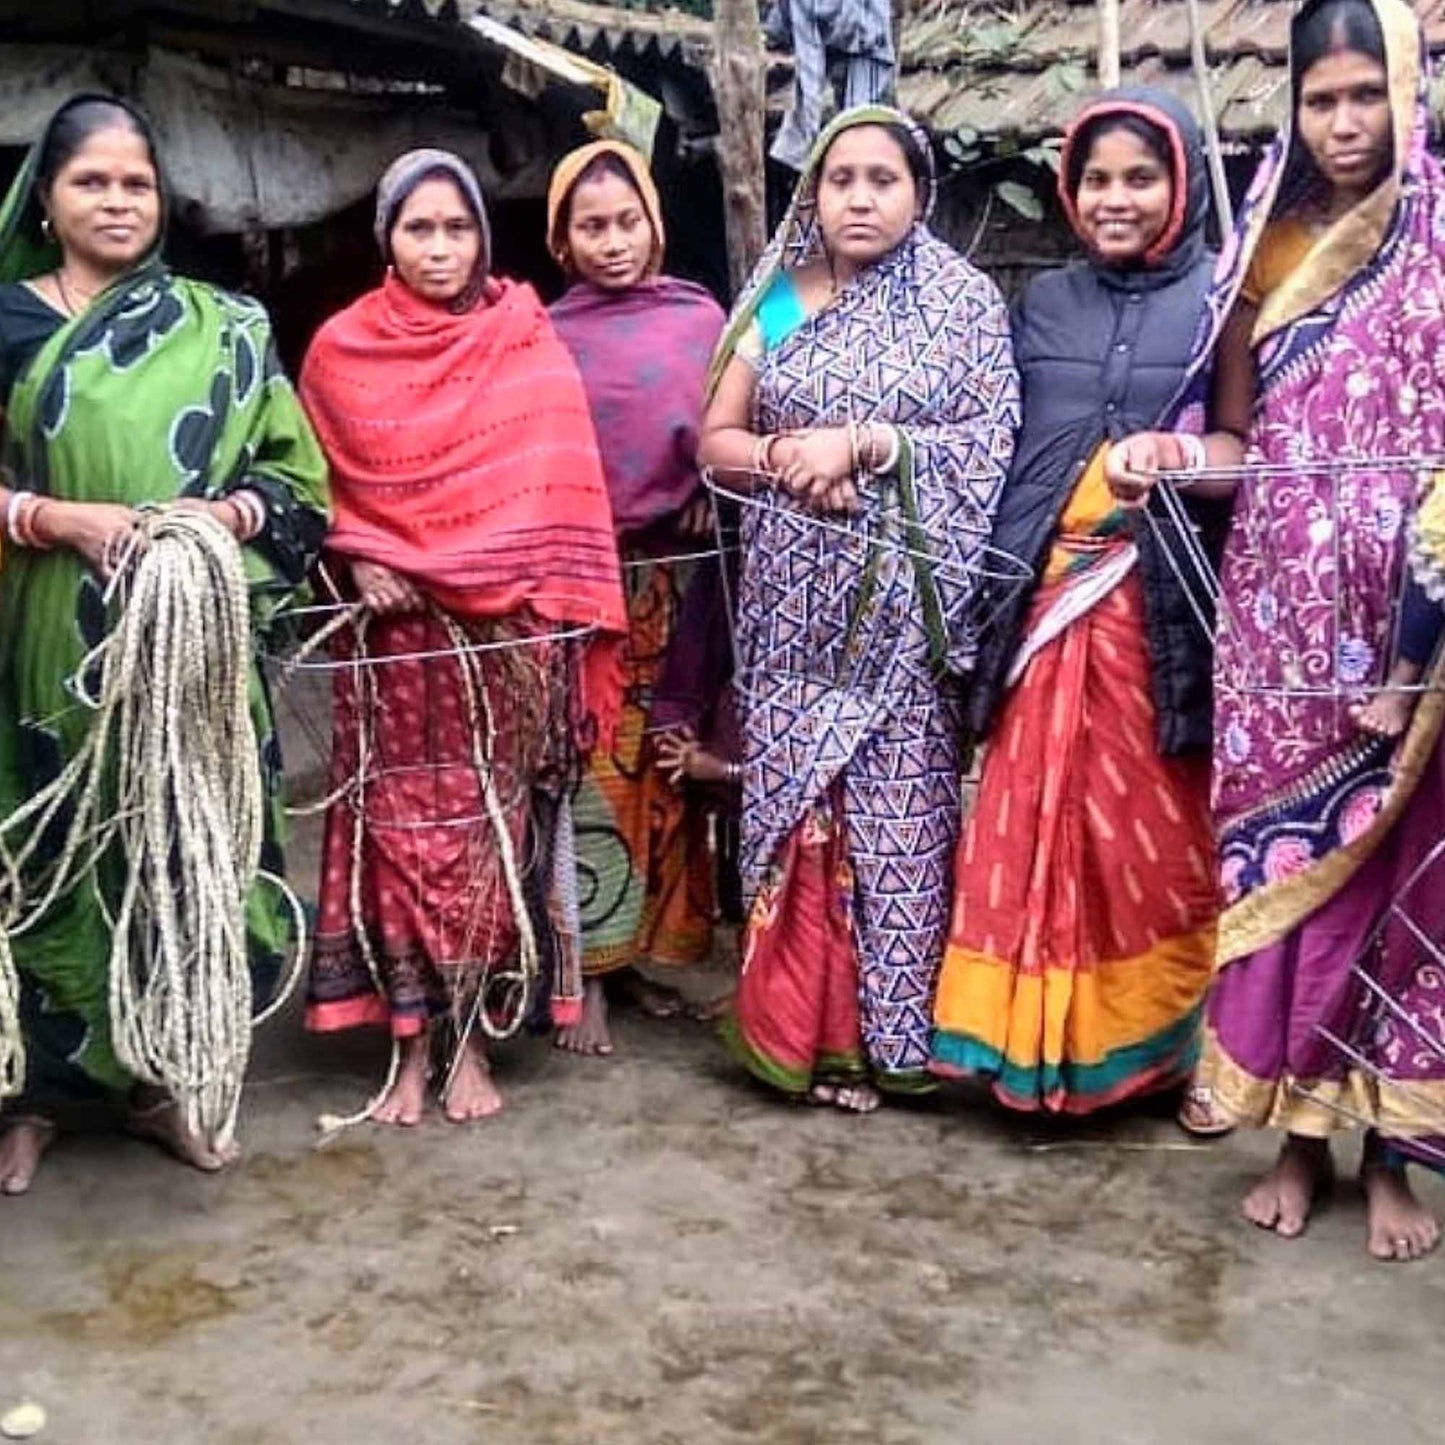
column 1020, row 198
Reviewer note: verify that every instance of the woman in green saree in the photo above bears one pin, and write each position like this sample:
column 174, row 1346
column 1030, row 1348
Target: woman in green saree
column 122, row 386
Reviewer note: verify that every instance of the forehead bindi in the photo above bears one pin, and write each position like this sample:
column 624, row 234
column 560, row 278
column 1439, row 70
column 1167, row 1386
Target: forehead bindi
column 1340, row 72
column 437, row 201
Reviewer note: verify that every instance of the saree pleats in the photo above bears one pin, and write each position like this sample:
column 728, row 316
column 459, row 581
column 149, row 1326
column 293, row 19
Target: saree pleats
column 1083, row 924
column 795, row 1018
column 645, row 871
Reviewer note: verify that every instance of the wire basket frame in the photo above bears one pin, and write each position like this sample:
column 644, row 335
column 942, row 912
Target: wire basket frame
column 1391, row 1024
column 867, row 576
column 1336, row 663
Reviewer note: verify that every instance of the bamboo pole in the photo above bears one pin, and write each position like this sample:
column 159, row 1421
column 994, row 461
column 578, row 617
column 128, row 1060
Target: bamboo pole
column 739, row 67
column 1108, row 43
column 1219, row 182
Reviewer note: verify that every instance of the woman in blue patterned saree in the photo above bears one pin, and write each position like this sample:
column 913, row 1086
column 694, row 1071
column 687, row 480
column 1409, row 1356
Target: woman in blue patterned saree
column 865, row 405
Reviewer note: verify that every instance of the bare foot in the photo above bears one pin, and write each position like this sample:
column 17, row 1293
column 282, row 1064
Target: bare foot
column 656, row 1000
column 1282, row 1200
column 857, row 1098
column 23, row 1142
column 471, row 1094
column 405, row 1101
column 1386, row 714
column 156, row 1117
column 589, row 1034
column 709, row 1011
column 1400, row 1227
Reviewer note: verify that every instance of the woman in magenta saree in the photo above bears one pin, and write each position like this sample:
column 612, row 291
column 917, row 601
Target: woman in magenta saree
column 1329, row 792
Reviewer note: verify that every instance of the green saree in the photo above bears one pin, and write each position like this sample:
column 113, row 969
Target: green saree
column 163, row 388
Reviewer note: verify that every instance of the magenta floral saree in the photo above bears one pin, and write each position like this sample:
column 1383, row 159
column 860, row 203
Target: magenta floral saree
column 1321, row 825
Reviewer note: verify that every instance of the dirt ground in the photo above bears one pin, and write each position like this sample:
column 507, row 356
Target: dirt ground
column 649, row 1251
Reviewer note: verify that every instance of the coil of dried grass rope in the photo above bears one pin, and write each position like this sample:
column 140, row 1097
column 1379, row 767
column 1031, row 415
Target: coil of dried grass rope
column 172, row 736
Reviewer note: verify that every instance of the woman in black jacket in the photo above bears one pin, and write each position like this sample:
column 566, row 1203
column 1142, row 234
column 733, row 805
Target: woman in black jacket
column 1085, row 900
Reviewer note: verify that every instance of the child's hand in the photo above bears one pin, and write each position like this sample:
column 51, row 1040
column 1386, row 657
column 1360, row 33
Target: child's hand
column 674, row 754
column 683, row 759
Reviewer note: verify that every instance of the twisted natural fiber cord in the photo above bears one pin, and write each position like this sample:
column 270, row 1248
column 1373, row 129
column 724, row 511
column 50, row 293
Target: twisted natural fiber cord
column 12, row 1042
column 172, row 728
column 482, row 731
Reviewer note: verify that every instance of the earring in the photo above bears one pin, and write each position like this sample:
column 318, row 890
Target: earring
column 46, row 229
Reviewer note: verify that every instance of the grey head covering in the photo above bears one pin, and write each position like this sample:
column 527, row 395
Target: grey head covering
column 405, row 174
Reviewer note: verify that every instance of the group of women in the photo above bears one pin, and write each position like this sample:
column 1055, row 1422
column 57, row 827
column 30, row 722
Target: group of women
column 952, row 532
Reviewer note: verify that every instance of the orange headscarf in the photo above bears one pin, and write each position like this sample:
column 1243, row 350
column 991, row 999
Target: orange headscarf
column 571, row 166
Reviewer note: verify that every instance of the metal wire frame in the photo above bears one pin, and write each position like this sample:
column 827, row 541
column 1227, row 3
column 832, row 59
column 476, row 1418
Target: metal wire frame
column 866, row 531
column 1377, row 1005
column 1180, row 542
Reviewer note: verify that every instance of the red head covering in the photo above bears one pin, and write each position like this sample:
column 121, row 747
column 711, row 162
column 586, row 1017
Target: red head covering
column 463, row 455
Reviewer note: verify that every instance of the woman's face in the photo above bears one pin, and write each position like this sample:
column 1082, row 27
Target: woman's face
column 1124, row 198
column 867, row 200
column 105, row 202
column 609, row 238
column 1344, row 120
column 436, row 241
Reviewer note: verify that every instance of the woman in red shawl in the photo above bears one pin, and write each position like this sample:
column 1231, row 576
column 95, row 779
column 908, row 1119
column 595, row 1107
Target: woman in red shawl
column 472, row 523
column 642, row 342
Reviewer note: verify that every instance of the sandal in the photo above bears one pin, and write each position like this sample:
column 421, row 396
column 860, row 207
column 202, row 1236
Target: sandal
column 1199, row 1117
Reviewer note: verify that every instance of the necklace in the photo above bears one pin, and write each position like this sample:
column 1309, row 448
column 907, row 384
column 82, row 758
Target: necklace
column 71, row 309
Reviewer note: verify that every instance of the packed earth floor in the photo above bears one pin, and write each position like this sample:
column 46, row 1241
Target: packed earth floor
column 647, row 1250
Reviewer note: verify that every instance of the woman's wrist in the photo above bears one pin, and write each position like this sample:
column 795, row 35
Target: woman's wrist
column 25, row 521
column 250, row 510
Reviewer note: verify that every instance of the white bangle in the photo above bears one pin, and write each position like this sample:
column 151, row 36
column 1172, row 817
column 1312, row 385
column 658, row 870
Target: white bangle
column 253, row 513
column 894, row 450
column 13, row 507
column 1192, row 449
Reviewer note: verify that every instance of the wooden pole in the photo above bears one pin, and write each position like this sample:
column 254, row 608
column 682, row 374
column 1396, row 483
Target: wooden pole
column 1108, row 43
column 739, row 72
column 1219, row 182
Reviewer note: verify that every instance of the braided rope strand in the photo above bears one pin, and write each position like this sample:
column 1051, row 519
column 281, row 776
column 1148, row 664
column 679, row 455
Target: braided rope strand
column 172, row 733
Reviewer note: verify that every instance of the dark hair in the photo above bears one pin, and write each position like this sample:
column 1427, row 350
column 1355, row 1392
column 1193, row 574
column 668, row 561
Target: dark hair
column 919, row 162
column 77, row 122
column 606, row 163
column 1331, row 26
column 1320, row 30
column 1093, row 130
column 398, row 202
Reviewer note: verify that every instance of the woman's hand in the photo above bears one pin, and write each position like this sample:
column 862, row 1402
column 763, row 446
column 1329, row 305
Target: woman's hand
column 1132, row 466
column 98, row 531
column 816, row 468
column 225, row 511
column 383, row 590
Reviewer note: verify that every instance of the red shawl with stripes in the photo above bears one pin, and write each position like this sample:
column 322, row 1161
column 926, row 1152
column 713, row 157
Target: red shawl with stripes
column 463, row 455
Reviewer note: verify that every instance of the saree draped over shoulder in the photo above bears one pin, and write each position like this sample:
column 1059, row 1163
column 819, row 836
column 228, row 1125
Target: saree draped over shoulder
column 1084, row 907
column 162, row 388
column 1322, row 826
column 646, row 872
column 852, row 642
column 463, row 457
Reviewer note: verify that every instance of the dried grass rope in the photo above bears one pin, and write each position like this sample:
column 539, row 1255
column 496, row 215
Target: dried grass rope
column 172, row 736
column 482, row 731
